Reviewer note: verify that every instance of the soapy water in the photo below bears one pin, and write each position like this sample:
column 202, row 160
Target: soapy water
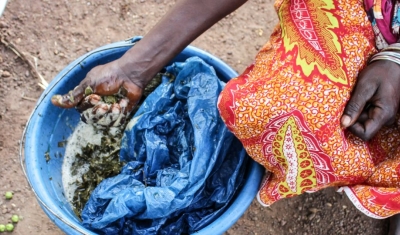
column 82, row 136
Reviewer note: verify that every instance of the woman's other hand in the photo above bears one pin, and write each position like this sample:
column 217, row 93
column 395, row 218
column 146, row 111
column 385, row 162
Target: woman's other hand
column 375, row 100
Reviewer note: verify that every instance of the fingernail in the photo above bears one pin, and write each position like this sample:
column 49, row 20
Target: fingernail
column 71, row 96
column 56, row 99
column 345, row 121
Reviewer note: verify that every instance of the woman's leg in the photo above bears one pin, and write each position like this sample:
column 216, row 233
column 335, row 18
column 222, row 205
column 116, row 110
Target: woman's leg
column 286, row 108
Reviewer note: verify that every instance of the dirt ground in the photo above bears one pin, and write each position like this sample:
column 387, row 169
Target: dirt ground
column 55, row 32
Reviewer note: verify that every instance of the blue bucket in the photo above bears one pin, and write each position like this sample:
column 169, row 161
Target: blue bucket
column 48, row 125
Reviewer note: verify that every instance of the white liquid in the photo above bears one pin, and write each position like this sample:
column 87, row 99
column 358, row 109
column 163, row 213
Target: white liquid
column 82, row 135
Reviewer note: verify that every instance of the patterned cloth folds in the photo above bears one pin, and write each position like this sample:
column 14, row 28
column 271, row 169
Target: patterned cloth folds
column 286, row 108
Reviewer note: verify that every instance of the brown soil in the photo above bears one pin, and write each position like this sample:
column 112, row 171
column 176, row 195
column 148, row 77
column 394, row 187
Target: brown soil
column 58, row 31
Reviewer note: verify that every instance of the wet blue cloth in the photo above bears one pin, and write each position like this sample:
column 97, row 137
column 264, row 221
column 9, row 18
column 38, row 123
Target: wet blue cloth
column 183, row 165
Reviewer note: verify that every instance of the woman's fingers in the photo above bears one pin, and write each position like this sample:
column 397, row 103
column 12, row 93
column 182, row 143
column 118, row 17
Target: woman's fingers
column 100, row 80
column 105, row 115
column 105, row 97
column 71, row 99
column 94, row 110
column 88, row 102
column 375, row 100
column 369, row 126
column 94, row 114
column 361, row 95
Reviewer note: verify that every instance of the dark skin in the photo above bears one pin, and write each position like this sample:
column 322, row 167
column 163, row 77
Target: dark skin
column 373, row 104
column 375, row 100
column 132, row 72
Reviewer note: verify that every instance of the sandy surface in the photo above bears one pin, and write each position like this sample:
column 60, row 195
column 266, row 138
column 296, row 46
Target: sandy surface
column 57, row 32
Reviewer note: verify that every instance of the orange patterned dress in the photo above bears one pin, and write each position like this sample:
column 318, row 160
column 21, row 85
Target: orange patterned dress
column 286, row 108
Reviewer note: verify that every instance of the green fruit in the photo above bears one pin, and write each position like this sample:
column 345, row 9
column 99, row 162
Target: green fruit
column 15, row 218
column 8, row 195
column 9, row 227
column 2, row 228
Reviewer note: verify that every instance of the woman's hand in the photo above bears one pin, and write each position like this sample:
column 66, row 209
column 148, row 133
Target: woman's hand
column 104, row 82
column 130, row 74
column 375, row 100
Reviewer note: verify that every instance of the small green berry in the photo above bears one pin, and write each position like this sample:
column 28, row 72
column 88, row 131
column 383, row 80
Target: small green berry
column 8, row 195
column 2, row 228
column 9, row 227
column 15, row 218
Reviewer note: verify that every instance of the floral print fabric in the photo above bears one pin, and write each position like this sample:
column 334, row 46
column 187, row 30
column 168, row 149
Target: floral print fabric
column 286, row 108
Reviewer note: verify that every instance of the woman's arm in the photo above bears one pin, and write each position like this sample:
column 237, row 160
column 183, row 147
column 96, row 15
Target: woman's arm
column 177, row 29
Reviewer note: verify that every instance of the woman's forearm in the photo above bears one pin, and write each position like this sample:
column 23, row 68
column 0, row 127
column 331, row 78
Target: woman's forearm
column 178, row 28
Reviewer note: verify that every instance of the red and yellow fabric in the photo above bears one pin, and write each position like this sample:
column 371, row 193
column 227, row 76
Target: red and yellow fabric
column 286, row 108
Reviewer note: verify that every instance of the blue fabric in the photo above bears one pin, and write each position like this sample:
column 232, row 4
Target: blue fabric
column 183, row 165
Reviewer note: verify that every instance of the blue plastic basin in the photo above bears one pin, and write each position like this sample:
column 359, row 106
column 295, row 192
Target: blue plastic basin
column 49, row 125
